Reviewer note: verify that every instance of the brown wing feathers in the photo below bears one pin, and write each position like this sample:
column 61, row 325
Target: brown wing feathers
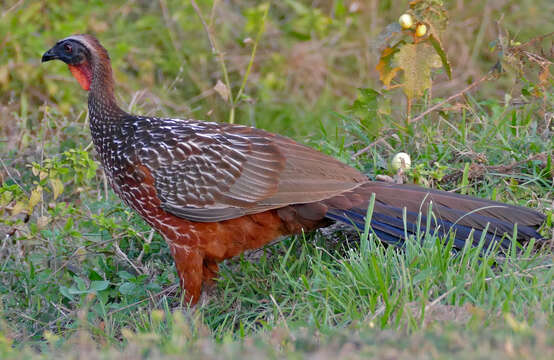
column 311, row 176
column 218, row 172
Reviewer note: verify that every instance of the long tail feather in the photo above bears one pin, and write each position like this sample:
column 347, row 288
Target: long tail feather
column 401, row 210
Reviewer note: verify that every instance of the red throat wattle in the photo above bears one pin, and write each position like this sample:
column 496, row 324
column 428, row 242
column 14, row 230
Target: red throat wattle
column 82, row 73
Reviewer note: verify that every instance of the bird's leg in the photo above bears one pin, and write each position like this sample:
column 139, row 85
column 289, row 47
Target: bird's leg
column 210, row 271
column 210, row 274
column 189, row 262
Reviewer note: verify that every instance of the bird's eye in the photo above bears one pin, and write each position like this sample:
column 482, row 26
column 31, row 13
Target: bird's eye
column 68, row 48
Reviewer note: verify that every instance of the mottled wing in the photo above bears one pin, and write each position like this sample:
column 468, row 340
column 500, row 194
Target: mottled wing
column 212, row 172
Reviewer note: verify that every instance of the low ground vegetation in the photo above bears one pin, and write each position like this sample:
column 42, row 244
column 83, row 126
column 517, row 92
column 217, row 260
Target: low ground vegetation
column 83, row 276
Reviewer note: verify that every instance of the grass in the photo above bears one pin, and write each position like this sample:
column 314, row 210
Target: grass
column 82, row 275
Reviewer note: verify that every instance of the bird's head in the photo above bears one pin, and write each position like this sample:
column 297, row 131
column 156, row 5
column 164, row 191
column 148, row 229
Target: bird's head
column 82, row 53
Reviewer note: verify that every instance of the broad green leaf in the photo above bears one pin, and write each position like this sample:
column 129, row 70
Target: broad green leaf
column 65, row 292
column 365, row 106
column 68, row 224
column 98, row 285
column 367, row 109
column 417, row 60
column 127, row 288
column 125, row 275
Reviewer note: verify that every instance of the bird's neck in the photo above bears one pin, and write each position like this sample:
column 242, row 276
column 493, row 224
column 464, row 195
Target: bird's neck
column 101, row 99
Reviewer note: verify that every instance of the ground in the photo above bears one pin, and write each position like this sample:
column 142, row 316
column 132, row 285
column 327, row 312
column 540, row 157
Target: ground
column 82, row 275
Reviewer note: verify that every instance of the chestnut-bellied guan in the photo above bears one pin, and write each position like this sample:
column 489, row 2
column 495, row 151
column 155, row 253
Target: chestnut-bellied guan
column 214, row 190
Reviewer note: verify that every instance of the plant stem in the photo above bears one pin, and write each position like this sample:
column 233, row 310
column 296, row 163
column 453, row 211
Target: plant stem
column 219, row 55
column 253, row 55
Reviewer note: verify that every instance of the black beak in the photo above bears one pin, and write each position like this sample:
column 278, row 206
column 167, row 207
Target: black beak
column 49, row 55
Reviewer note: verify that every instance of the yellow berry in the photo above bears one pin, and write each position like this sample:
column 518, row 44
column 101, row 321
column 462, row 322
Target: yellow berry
column 406, row 21
column 401, row 160
column 420, row 30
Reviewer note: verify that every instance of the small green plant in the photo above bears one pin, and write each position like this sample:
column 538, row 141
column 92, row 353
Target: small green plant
column 413, row 46
column 73, row 167
column 256, row 16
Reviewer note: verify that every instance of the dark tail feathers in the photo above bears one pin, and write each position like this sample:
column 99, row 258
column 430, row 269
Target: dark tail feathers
column 464, row 216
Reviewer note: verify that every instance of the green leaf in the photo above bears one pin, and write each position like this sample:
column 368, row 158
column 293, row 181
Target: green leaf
column 369, row 109
column 68, row 224
column 366, row 105
column 65, row 292
column 437, row 45
column 417, row 60
column 74, row 291
column 125, row 275
column 127, row 288
column 97, row 286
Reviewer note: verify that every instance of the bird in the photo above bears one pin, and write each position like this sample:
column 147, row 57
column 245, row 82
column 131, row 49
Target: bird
column 215, row 190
